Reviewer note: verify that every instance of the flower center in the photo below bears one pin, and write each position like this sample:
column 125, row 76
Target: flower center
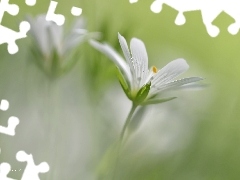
column 154, row 69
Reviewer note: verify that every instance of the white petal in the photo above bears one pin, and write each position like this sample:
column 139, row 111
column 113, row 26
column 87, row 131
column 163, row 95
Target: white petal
column 75, row 36
column 174, row 84
column 124, row 47
column 80, row 23
column 56, row 35
column 139, row 59
column 78, row 37
column 129, row 59
column 43, row 35
column 71, row 41
column 149, row 76
column 39, row 31
column 170, row 71
column 114, row 56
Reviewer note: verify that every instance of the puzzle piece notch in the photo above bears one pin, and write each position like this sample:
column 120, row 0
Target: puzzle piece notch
column 180, row 19
column 210, row 10
column 31, row 171
column 212, row 30
column 5, row 168
column 4, row 105
column 233, row 28
column 12, row 9
column 59, row 19
column 156, row 6
column 133, row 1
column 12, row 124
column 30, row 2
column 76, row 11
column 9, row 36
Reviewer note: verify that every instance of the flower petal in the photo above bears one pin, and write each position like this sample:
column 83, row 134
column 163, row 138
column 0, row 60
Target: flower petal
column 79, row 23
column 114, row 56
column 176, row 83
column 170, row 71
column 76, row 36
column 140, row 59
column 39, row 31
column 56, row 35
column 124, row 47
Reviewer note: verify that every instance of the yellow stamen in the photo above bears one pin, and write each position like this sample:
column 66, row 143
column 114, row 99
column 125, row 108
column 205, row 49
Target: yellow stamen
column 154, row 69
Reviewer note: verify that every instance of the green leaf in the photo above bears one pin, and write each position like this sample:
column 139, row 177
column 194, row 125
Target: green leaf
column 158, row 101
column 142, row 94
column 124, row 84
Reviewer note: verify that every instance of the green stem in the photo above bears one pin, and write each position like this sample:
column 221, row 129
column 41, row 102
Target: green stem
column 128, row 120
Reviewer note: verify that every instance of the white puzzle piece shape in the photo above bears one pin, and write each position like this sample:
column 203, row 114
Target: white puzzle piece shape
column 30, row 2
column 59, row 19
column 5, row 168
column 12, row 9
column 133, row 1
column 210, row 10
column 76, row 11
column 9, row 36
column 10, row 129
column 4, row 105
column 31, row 171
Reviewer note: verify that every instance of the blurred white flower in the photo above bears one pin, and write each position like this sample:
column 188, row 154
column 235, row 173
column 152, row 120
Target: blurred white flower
column 52, row 48
column 49, row 36
column 141, row 84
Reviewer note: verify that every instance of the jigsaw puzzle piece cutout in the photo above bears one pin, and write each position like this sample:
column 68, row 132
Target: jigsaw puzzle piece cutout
column 76, row 11
column 133, row 1
column 209, row 14
column 232, row 9
column 180, row 19
column 5, row 168
column 4, row 105
column 59, row 19
column 31, row 171
column 233, row 28
column 9, row 36
column 156, row 6
column 209, row 10
column 30, row 2
column 10, row 129
column 12, row 9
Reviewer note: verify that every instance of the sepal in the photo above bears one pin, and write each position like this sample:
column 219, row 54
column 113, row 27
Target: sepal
column 124, row 84
column 142, row 93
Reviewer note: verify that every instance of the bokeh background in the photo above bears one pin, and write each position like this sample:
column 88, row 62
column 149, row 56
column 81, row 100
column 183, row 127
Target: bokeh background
column 73, row 122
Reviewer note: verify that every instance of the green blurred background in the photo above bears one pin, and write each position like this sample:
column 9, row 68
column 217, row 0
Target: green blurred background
column 72, row 122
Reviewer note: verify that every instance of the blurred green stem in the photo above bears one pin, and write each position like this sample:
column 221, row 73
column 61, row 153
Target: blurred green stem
column 128, row 120
column 53, row 129
column 111, row 158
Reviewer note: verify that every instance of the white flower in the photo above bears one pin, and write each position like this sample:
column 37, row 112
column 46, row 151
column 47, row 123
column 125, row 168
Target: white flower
column 49, row 36
column 141, row 81
column 53, row 49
